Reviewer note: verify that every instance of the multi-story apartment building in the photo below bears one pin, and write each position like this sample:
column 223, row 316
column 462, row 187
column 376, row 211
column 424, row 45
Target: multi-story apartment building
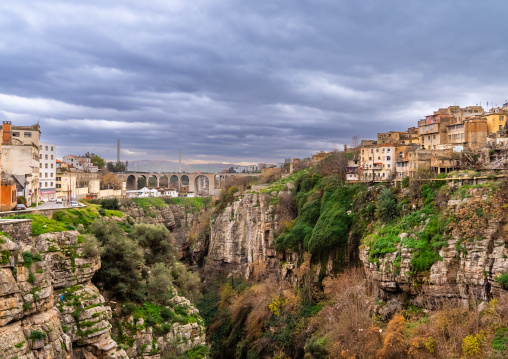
column 472, row 132
column 47, row 178
column 496, row 119
column 377, row 162
column 433, row 131
column 20, row 158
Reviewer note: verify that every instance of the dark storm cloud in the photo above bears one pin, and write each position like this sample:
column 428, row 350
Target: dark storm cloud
column 242, row 81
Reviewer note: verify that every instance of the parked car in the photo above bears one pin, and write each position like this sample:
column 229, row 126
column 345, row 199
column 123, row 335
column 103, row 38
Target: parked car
column 20, row 207
column 52, row 199
column 59, row 200
column 74, row 204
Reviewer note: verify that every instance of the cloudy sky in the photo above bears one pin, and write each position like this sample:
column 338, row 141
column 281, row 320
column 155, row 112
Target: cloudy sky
column 242, row 81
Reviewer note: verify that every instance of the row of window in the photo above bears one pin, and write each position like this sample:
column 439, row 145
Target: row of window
column 377, row 150
column 46, row 165
column 51, row 150
column 46, row 184
column 25, row 134
column 385, row 158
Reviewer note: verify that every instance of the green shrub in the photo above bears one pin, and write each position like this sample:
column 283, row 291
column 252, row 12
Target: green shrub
column 31, row 278
column 197, row 352
column 405, row 182
column 6, row 255
column 37, row 334
column 111, row 204
column 503, row 280
column 29, row 258
column 500, row 340
column 386, row 205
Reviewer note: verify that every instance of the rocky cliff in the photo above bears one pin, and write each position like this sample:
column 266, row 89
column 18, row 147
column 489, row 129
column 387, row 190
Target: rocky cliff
column 48, row 307
column 467, row 268
column 242, row 236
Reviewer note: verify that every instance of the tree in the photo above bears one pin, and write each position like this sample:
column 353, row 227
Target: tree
column 98, row 161
column 117, row 167
column 121, row 259
column 231, row 170
column 111, row 181
column 386, row 205
column 156, row 243
column 160, row 284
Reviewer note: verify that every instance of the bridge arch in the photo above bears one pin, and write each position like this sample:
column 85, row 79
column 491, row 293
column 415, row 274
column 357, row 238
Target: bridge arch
column 153, row 181
column 164, row 181
column 202, row 185
column 174, row 181
column 141, row 181
column 131, row 183
column 184, row 180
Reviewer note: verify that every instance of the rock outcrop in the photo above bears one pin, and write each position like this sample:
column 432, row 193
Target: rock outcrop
column 38, row 277
column 242, row 236
column 468, row 268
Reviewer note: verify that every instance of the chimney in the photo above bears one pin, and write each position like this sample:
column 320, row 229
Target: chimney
column 7, row 133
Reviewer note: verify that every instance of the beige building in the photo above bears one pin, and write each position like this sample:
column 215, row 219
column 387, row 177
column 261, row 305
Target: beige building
column 433, row 131
column 20, row 157
column 496, row 119
column 377, row 163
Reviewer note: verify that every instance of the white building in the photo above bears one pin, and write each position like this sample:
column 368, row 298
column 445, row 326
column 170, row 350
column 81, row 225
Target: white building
column 47, row 171
column 143, row 192
column 81, row 163
column 169, row 192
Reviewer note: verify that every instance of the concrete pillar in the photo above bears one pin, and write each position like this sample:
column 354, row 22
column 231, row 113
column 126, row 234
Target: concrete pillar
column 158, row 181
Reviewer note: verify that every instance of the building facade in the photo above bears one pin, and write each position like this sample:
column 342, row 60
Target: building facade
column 47, row 169
column 20, row 157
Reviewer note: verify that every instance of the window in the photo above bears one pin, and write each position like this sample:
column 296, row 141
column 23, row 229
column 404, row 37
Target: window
column 28, row 134
column 434, row 137
column 388, row 150
column 428, row 137
column 46, row 165
column 51, row 148
column 500, row 127
column 51, row 184
column 379, row 158
column 46, row 148
column 388, row 158
column 51, row 174
column 51, row 165
column 40, row 165
column 45, row 184
column 46, row 157
column 46, row 175
column 51, row 156
column 15, row 134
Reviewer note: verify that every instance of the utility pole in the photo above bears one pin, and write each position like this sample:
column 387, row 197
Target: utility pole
column 117, row 150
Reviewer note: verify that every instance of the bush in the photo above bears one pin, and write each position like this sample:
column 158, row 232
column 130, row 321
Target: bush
column 156, row 243
column 37, row 334
column 503, row 280
column 110, row 204
column 405, row 182
column 90, row 246
column 386, row 205
column 160, row 284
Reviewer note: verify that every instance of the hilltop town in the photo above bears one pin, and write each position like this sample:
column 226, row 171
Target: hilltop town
column 450, row 139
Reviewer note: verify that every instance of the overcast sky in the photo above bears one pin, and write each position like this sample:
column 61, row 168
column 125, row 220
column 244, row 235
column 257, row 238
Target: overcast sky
column 242, row 81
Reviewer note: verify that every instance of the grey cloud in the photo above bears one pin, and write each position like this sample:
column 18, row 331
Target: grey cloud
column 233, row 79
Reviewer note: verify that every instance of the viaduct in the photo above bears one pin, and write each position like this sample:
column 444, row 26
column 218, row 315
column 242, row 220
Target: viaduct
column 200, row 183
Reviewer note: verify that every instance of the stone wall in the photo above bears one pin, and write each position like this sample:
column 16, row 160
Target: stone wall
column 17, row 229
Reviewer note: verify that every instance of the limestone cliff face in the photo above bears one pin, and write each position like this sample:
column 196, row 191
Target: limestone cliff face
column 39, row 276
column 147, row 342
column 242, row 236
column 467, row 270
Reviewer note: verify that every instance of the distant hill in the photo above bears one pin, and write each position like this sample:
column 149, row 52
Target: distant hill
column 171, row 166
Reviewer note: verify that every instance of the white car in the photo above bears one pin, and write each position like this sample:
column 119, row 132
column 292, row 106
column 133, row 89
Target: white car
column 59, row 200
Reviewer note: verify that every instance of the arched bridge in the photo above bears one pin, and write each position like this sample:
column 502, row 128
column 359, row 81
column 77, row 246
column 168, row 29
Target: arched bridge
column 200, row 183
